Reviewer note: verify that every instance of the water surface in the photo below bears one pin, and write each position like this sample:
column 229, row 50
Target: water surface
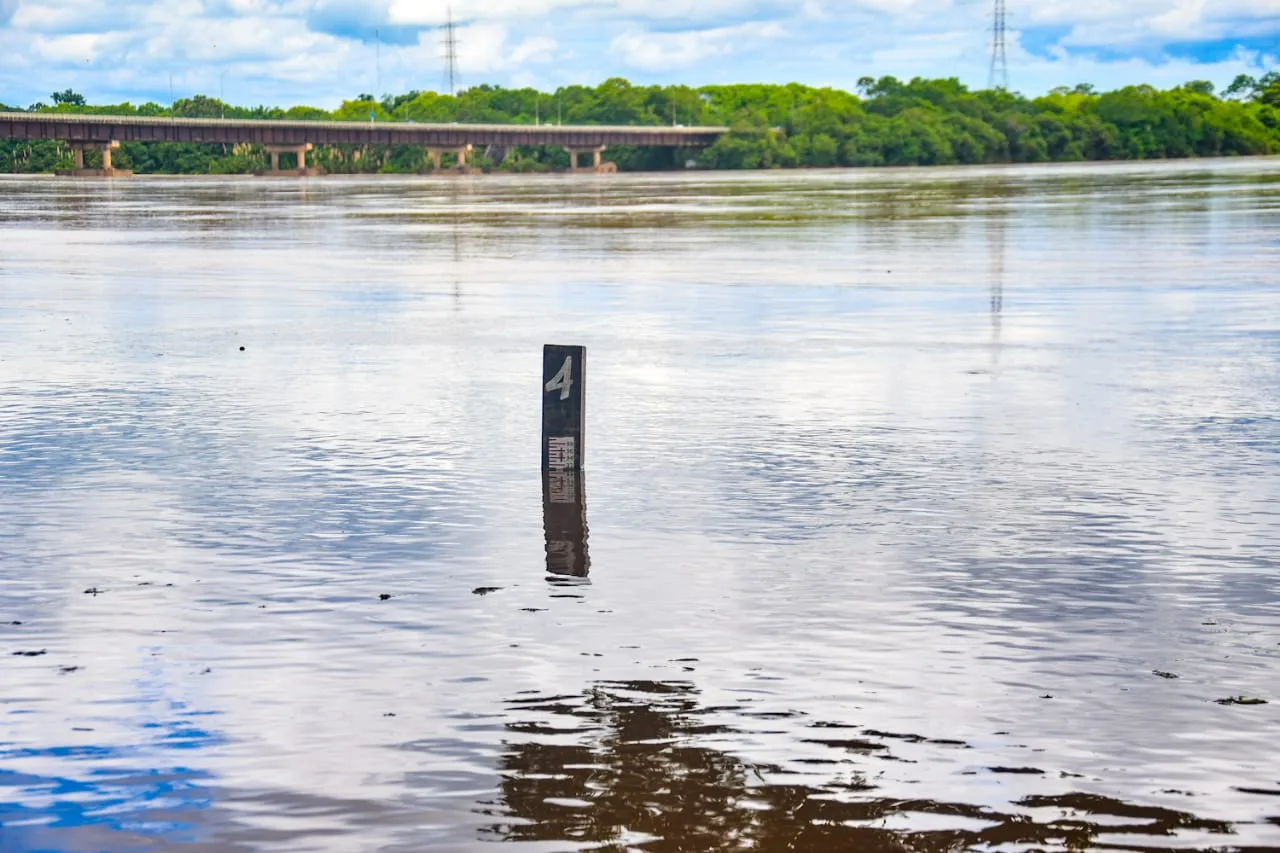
column 927, row 509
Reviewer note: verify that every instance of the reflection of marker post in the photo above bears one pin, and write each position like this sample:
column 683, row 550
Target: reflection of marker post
column 564, row 520
column 564, row 375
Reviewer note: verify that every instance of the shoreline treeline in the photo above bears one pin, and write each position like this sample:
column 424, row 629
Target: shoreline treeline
column 886, row 122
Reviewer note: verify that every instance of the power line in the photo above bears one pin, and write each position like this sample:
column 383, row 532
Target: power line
column 999, row 75
column 451, row 53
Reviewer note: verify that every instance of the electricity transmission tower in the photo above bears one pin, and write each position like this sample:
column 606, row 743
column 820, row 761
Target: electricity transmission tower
column 450, row 43
column 999, row 76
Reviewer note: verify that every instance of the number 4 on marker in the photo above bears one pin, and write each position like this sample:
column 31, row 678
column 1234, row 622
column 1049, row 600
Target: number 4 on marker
column 562, row 381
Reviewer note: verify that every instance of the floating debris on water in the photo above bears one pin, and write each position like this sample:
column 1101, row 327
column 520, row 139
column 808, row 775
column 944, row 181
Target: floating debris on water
column 852, row 744
column 1241, row 700
column 910, row 738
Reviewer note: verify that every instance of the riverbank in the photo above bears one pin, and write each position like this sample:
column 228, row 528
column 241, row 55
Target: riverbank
column 888, row 122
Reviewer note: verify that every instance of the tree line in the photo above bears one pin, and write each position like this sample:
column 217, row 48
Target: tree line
column 885, row 122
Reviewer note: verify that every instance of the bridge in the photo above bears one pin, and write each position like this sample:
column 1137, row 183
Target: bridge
column 296, row 138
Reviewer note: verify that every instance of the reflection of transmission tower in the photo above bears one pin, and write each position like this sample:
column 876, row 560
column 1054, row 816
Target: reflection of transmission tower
column 997, row 255
column 999, row 76
column 451, row 53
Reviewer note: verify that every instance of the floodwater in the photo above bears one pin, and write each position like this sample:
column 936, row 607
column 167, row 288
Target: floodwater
column 927, row 510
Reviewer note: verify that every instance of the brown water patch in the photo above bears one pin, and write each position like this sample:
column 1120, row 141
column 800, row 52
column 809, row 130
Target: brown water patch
column 641, row 779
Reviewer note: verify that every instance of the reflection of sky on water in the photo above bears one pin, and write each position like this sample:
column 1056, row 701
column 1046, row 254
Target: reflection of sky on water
column 384, row 501
column 131, row 777
column 950, row 465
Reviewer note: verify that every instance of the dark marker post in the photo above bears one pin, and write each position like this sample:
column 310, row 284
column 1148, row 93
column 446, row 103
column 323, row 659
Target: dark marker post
column 564, row 521
column 564, row 379
column 564, row 512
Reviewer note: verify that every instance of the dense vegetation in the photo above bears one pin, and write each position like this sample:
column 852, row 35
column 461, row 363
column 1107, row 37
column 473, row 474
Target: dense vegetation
column 887, row 122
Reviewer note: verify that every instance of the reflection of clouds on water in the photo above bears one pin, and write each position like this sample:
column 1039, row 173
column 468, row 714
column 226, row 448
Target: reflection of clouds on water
column 122, row 810
column 956, row 500
column 125, row 771
column 233, row 488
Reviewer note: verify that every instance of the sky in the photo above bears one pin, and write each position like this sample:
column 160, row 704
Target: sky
column 319, row 52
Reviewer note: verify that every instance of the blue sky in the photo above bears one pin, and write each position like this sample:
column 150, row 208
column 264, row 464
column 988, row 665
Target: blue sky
column 322, row 51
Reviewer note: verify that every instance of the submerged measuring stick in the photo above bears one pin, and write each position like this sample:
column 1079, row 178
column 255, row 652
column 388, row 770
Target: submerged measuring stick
column 564, row 520
column 564, row 380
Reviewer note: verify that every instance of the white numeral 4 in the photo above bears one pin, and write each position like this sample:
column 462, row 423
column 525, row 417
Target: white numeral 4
column 562, row 381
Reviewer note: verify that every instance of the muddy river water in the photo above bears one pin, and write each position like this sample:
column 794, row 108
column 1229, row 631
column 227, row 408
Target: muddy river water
column 924, row 510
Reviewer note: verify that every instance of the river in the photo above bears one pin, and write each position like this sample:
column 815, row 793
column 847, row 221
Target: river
column 927, row 509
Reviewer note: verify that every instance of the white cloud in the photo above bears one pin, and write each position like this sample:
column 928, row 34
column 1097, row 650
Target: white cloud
column 78, row 47
column 67, row 16
column 486, row 48
column 435, row 12
column 939, row 56
column 1036, row 74
column 1106, row 23
column 320, row 51
column 534, row 50
column 659, row 51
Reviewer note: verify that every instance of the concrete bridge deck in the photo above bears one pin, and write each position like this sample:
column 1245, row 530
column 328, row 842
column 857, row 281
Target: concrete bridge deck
column 100, row 130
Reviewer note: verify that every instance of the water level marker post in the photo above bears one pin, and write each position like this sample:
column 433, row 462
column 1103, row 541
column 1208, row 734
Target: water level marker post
column 564, row 381
column 564, row 511
column 564, row 521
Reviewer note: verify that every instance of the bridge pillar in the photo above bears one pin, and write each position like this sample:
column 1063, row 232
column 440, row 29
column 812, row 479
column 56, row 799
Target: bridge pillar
column 107, row 170
column 298, row 151
column 597, row 165
column 435, row 154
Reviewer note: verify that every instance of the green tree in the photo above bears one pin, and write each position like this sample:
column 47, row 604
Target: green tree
column 199, row 106
column 1268, row 90
column 887, row 121
column 361, row 110
column 68, row 97
column 307, row 114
